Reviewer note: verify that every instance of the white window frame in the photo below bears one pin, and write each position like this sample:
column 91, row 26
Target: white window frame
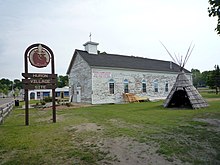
column 126, row 87
column 166, row 86
column 144, row 89
column 110, row 83
column 156, row 85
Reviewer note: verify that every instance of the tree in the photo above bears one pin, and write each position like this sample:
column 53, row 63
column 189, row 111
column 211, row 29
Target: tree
column 17, row 84
column 205, row 77
column 214, row 11
column 214, row 79
column 62, row 81
column 196, row 76
column 16, row 92
column 5, row 86
column 217, row 78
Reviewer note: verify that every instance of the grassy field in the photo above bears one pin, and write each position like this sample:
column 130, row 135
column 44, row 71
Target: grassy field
column 89, row 135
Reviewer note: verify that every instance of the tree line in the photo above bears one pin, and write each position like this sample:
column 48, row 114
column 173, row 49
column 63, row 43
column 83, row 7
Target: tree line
column 207, row 78
column 7, row 85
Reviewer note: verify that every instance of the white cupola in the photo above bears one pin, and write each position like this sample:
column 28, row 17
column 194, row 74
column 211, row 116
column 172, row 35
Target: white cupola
column 91, row 47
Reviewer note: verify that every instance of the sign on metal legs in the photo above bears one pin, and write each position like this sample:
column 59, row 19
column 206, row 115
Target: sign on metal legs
column 39, row 56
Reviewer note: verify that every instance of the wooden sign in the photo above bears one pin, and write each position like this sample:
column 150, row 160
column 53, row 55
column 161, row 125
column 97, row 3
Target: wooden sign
column 39, row 56
column 39, row 75
column 39, row 86
column 39, row 81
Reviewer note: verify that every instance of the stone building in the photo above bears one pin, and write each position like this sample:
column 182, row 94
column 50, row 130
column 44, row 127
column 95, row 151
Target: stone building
column 100, row 78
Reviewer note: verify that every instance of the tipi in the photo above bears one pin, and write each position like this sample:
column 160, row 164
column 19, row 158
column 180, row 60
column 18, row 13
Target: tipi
column 183, row 94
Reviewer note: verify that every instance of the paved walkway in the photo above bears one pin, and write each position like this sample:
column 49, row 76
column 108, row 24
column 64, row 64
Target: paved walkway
column 5, row 101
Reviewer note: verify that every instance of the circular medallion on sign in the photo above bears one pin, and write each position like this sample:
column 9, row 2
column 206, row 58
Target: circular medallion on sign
column 39, row 57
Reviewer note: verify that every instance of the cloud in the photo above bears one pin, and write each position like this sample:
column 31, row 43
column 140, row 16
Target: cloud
column 130, row 27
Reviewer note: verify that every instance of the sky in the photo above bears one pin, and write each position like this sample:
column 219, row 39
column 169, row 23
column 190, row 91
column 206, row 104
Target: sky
column 126, row 27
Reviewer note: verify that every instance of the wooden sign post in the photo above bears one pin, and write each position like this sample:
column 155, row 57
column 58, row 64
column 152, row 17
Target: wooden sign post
column 39, row 56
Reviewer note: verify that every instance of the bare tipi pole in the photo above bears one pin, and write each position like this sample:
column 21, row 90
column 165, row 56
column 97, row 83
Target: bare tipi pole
column 183, row 94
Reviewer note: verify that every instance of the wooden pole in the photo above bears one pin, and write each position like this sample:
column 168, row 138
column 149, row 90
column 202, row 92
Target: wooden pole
column 26, row 107
column 26, row 90
column 53, row 90
column 54, row 105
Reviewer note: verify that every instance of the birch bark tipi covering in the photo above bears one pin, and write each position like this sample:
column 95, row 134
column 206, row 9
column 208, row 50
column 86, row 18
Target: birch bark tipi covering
column 183, row 94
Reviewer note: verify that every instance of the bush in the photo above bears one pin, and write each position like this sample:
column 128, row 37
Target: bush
column 43, row 102
column 68, row 104
column 48, row 99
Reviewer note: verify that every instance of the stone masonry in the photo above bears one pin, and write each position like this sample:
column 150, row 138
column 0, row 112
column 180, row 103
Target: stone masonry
column 94, row 83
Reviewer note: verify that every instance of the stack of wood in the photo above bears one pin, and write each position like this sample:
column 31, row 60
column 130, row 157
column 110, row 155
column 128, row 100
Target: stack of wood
column 130, row 97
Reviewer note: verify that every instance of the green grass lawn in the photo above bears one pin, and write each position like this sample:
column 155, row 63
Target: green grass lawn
column 208, row 93
column 177, row 133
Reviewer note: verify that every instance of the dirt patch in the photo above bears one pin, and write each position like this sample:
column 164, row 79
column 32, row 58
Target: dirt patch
column 86, row 127
column 72, row 106
column 49, row 119
column 212, row 122
column 126, row 151
column 212, row 99
column 120, row 150
column 122, row 124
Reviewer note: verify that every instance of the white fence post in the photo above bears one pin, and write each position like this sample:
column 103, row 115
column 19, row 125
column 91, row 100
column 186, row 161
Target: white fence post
column 1, row 114
column 4, row 111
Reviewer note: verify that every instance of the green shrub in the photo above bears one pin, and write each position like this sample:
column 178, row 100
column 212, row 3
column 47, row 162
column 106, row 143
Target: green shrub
column 48, row 99
column 43, row 102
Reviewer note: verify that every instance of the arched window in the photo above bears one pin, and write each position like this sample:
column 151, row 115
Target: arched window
column 32, row 95
column 144, row 86
column 166, row 86
column 126, row 86
column 156, row 85
column 111, row 86
column 78, row 85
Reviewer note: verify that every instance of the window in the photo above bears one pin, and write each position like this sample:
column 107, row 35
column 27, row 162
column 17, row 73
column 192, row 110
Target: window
column 66, row 94
column 126, row 86
column 111, row 86
column 156, row 85
column 46, row 94
column 144, row 87
column 166, row 86
column 32, row 95
column 38, row 95
column 57, row 94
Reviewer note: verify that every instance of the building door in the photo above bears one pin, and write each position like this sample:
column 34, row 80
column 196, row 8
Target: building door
column 78, row 94
column 61, row 95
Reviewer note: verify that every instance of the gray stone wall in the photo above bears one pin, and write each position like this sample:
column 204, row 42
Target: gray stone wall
column 80, row 76
column 101, row 77
column 94, row 83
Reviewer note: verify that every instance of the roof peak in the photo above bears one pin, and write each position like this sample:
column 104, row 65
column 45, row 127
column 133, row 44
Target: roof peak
column 90, row 42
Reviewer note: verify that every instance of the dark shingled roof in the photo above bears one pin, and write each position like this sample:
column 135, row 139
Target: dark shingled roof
column 128, row 62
